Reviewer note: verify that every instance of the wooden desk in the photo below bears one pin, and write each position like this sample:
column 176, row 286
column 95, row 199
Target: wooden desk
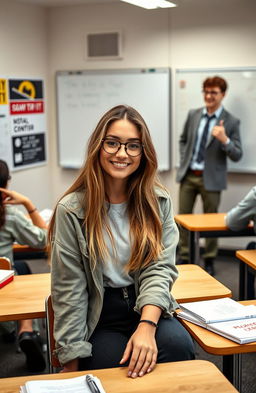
column 218, row 345
column 195, row 376
column 206, row 225
column 24, row 297
column 247, row 262
column 23, row 251
column 194, row 284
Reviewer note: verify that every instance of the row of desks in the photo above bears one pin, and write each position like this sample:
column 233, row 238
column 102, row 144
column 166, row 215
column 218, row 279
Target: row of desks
column 24, row 297
column 193, row 284
column 207, row 225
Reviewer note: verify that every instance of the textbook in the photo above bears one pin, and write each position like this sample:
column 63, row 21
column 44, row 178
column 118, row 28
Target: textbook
column 6, row 276
column 85, row 384
column 224, row 316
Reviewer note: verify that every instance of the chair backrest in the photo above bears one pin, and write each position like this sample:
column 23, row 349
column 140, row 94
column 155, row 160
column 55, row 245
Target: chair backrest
column 5, row 263
column 53, row 360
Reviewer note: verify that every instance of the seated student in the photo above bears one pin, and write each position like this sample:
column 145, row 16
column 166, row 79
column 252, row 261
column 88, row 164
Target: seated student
column 114, row 241
column 238, row 218
column 15, row 226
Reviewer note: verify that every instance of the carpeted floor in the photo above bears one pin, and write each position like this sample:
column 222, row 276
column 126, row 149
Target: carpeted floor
column 12, row 363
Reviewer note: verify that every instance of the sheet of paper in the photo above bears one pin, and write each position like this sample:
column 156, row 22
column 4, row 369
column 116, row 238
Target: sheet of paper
column 70, row 385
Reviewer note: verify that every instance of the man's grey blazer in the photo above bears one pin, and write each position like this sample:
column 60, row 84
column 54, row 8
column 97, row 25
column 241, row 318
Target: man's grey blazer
column 215, row 165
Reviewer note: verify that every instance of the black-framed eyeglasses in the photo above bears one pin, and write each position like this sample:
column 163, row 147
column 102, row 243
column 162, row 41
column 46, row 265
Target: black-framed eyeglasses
column 111, row 146
column 211, row 92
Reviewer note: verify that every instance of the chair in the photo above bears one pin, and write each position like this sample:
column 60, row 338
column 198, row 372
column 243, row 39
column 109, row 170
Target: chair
column 52, row 359
column 5, row 263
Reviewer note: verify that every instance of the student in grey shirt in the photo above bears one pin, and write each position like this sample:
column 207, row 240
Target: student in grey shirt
column 16, row 227
column 238, row 218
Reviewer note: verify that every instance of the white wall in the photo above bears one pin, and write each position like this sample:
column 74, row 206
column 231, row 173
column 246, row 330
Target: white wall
column 199, row 33
column 23, row 43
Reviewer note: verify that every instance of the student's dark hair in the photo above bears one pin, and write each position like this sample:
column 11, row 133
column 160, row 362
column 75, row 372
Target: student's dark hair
column 4, row 177
column 216, row 81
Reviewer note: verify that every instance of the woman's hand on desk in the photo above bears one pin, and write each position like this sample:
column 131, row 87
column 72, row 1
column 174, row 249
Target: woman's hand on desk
column 142, row 351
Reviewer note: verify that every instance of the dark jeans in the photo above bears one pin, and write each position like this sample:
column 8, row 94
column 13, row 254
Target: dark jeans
column 118, row 321
column 21, row 267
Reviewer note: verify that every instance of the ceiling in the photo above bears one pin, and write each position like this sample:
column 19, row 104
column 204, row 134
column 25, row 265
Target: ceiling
column 61, row 3
column 54, row 3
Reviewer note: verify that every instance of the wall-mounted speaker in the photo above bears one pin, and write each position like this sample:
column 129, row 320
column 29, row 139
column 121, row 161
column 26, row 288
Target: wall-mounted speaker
column 103, row 45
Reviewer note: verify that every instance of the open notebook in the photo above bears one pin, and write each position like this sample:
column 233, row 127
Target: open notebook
column 223, row 316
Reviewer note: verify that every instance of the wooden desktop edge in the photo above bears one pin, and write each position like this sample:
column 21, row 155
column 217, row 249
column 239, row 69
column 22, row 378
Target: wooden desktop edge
column 183, row 374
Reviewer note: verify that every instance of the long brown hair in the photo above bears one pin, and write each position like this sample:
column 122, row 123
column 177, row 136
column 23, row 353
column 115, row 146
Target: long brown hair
column 4, row 177
column 143, row 208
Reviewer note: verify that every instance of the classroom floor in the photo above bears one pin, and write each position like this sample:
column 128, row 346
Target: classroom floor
column 227, row 269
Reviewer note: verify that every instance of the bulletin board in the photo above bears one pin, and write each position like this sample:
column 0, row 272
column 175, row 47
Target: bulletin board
column 22, row 122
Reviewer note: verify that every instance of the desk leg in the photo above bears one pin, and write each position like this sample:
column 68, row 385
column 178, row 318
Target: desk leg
column 194, row 249
column 242, row 280
column 232, row 370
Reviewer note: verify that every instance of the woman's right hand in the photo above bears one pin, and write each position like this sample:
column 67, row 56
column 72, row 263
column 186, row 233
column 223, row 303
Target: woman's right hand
column 13, row 197
column 70, row 366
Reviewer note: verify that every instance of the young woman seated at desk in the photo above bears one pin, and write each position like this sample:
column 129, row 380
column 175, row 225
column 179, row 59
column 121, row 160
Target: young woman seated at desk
column 114, row 242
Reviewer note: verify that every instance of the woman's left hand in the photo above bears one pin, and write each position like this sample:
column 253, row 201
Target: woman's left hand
column 142, row 351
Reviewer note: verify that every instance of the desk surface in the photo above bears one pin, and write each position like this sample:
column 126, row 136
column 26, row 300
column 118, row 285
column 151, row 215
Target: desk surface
column 214, row 343
column 206, row 222
column 202, row 222
column 23, row 248
column 197, row 376
column 24, row 297
column 195, row 284
column 247, row 256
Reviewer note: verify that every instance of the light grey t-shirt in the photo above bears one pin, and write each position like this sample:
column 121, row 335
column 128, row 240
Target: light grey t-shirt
column 114, row 274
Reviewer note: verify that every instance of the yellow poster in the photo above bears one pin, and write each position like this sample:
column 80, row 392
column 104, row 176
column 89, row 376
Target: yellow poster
column 3, row 92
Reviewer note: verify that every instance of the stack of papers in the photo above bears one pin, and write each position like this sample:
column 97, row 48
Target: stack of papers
column 223, row 316
column 70, row 385
column 6, row 276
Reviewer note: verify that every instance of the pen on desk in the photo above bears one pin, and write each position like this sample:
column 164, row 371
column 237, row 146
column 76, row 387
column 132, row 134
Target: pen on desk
column 92, row 384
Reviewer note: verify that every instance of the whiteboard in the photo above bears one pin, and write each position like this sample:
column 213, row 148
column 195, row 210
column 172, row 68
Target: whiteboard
column 84, row 96
column 240, row 100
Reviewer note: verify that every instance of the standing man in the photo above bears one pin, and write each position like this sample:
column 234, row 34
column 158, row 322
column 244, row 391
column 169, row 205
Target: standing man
column 210, row 135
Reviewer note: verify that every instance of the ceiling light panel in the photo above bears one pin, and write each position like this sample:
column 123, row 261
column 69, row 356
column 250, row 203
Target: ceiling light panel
column 151, row 4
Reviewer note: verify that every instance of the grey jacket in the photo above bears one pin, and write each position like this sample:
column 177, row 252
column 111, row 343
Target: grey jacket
column 215, row 170
column 239, row 217
column 77, row 288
